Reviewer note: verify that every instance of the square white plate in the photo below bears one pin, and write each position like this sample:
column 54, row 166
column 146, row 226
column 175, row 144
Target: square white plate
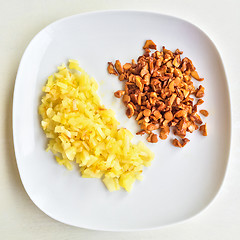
column 180, row 182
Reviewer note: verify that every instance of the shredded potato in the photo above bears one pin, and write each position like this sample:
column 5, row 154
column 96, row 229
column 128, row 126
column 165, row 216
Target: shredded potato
column 80, row 129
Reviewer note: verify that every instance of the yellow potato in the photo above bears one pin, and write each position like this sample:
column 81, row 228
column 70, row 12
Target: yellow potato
column 80, row 129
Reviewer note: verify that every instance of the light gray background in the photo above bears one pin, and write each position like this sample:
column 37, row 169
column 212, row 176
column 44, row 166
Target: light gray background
column 19, row 22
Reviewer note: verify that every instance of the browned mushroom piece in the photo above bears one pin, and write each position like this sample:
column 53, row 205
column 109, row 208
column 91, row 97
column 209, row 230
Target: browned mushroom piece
column 130, row 110
column 111, row 69
column 185, row 141
column 203, row 129
column 119, row 93
column 204, row 112
column 199, row 102
column 176, row 143
column 200, row 92
column 152, row 138
column 126, row 99
column 159, row 91
column 164, row 131
column 150, row 44
column 196, row 76
column 142, row 132
column 118, row 67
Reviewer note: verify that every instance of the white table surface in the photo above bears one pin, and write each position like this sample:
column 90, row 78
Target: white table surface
column 19, row 22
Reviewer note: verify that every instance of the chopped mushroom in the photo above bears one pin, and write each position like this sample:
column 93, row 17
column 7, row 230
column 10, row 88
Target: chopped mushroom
column 111, row 69
column 204, row 113
column 159, row 92
column 203, row 129
column 185, row 141
column 152, row 138
column 176, row 143
column 150, row 44
column 118, row 67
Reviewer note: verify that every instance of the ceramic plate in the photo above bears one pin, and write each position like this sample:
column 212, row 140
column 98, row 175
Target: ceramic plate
column 180, row 183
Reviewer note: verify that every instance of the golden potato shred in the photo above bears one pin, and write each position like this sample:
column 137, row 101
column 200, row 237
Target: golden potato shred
column 79, row 129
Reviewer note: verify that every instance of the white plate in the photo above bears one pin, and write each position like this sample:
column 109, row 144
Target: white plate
column 180, row 183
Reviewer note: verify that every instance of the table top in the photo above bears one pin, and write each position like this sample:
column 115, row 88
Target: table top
column 20, row 21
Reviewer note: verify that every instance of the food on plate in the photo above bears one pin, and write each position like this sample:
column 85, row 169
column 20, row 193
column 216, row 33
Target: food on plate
column 203, row 129
column 160, row 94
column 177, row 143
column 82, row 130
column 204, row 112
